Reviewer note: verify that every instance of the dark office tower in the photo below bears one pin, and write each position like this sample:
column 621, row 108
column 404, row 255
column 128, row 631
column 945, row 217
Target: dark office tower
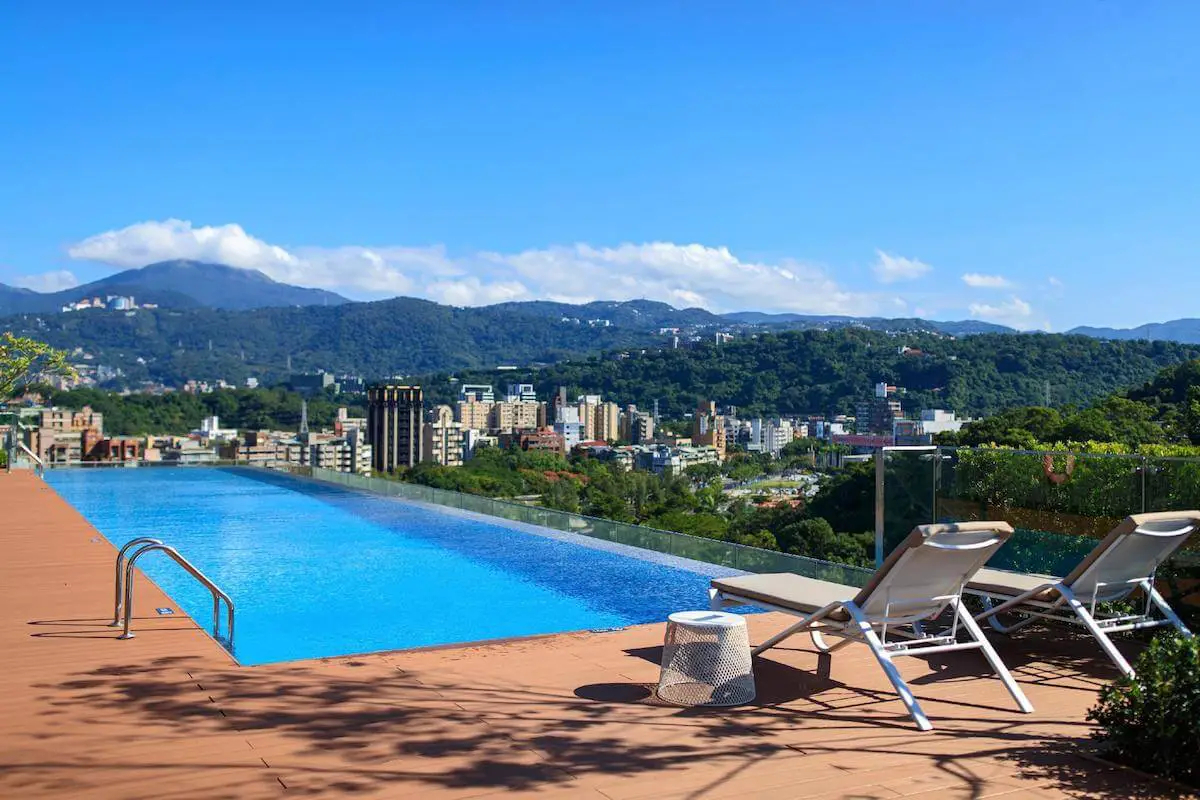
column 394, row 415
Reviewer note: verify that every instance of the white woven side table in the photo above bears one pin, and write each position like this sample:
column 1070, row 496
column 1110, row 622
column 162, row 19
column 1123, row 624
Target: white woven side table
column 706, row 660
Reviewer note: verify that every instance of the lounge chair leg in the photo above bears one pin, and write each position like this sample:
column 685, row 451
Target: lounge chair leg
column 1165, row 608
column 991, row 614
column 889, row 668
column 1089, row 622
column 824, row 646
column 714, row 600
column 783, row 634
column 993, row 657
column 997, row 625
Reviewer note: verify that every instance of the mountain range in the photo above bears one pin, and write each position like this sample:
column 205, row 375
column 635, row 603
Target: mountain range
column 184, row 284
column 175, row 284
column 215, row 321
column 1176, row 330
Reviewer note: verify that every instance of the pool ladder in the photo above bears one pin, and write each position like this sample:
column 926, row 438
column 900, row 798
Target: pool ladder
column 123, row 599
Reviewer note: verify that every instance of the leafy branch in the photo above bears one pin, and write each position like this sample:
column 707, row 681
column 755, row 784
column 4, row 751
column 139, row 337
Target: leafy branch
column 23, row 360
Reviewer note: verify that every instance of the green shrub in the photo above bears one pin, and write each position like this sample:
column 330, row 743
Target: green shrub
column 1152, row 720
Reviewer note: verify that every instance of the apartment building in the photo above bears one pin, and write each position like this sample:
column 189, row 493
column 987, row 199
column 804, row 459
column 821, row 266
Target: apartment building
column 879, row 414
column 442, row 438
column 708, row 428
column 349, row 454
column 509, row 417
column 636, row 427
column 520, row 393
column 394, row 418
column 606, row 422
column 479, row 392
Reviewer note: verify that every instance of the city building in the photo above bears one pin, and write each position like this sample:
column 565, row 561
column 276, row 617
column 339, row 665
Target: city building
column 520, row 393
column 474, row 439
column 570, row 431
column 585, row 409
column 210, row 428
column 479, row 392
column 637, row 427
column 442, row 438
column 921, row 431
column 183, row 451
column 777, row 434
column 606, row 424
column 65, row 436
column 541, row 439
column 343, row 423
column 119, row 449
column 662, row 458
column 256, row 448
column 341, row 456
column 878, row 414
column 936, row 420
column 394, row 417
column 350, row 453
column 474, row 415
column 351, row 384
column 558, row 404
column 509, row 417
column 315, row 382
column 708, row 428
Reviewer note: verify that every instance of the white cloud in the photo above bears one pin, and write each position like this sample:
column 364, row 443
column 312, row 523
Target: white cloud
column 473, row 292
column 679, row 274
column 55, row 281
column 1055, row 282
column 1015, row 313
column 978, row 281
column 890, row 269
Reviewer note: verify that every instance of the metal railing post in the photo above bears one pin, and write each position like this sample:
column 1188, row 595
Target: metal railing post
column 880, row 457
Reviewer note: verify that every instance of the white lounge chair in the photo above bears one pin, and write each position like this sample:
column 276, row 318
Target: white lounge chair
column 1123, row 562
column 923, row 576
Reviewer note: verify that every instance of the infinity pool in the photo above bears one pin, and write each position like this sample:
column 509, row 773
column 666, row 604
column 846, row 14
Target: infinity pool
column 317, row 570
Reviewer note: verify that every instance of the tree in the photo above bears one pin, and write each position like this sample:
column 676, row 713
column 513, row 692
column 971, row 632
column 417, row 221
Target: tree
column 703, row 473
column 24, row 360
column 1191, row 415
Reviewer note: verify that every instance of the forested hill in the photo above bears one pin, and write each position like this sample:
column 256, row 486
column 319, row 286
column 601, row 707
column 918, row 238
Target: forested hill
column 389, row 337
column 1163, row 411
column 827, row 371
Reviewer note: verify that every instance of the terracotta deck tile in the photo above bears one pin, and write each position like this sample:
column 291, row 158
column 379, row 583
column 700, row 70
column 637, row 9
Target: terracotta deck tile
column 170, row 714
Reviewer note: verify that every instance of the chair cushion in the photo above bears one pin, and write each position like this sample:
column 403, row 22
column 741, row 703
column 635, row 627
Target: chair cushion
column 788, row 590
column 1003, row 583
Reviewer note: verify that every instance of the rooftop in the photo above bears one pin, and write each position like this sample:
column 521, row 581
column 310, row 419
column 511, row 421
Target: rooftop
column 169, row 714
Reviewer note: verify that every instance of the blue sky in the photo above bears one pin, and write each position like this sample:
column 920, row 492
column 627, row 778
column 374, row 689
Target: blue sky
column 1033, row 163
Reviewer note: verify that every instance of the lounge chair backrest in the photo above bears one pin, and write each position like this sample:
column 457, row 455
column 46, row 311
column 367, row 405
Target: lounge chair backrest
column 929, row 567
column 1131, row 552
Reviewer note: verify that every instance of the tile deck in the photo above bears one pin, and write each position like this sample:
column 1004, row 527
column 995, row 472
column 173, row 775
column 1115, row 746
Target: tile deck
column 170, row 715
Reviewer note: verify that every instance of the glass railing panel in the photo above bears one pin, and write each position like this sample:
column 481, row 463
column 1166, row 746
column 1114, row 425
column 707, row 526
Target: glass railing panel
column 751, row 559
column 637, row 536
column 908, row 493
column 1059, row 504
column 712, row 551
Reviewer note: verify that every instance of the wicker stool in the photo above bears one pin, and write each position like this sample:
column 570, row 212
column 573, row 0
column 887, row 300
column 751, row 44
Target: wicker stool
column 706, row 660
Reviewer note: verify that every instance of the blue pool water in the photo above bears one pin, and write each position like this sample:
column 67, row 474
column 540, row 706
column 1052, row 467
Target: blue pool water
column 318, row 570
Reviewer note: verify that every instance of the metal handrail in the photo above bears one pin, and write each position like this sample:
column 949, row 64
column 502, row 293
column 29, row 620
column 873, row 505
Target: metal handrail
column 119, row 589
column 217, row 594
column 41, row 465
